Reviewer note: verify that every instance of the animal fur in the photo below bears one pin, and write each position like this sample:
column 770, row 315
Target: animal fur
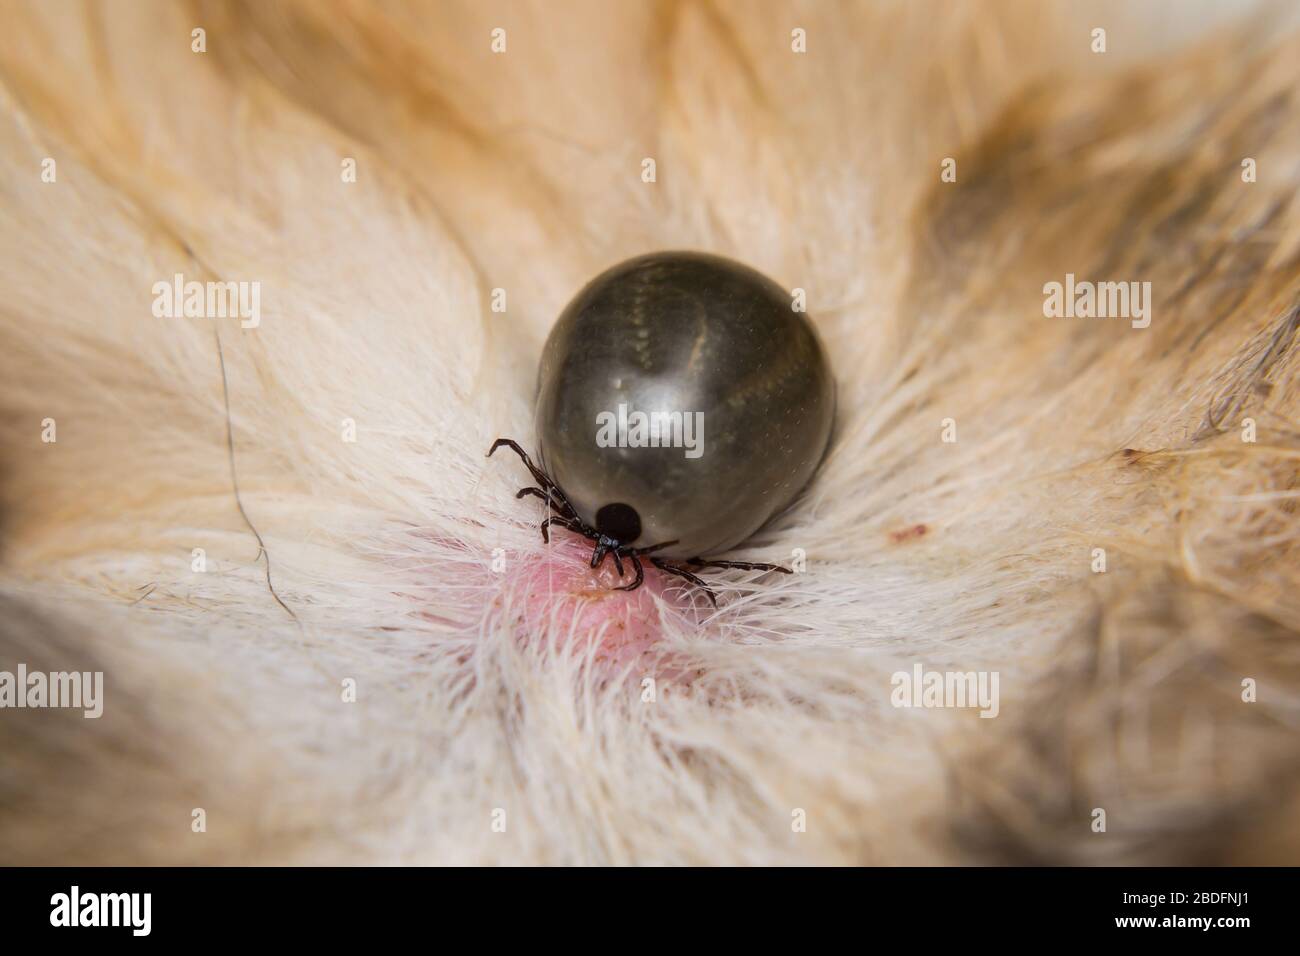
column 481, row 689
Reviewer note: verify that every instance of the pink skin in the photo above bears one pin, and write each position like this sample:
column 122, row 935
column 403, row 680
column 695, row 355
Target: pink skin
column 562, row 590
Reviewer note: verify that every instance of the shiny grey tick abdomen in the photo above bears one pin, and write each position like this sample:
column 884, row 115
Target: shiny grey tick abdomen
column 683, row 334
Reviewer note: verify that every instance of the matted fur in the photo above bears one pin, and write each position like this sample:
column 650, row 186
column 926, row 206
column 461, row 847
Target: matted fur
column 521, row 171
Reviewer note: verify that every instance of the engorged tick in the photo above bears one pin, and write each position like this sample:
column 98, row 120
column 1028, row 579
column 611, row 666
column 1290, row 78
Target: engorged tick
column 681, row 400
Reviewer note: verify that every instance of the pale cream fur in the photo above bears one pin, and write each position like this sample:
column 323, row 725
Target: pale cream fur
column 522, row 171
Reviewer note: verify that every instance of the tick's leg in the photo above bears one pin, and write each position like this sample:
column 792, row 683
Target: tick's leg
column 549, row 497
column 652, row 549
column 640, row 574
column 541, row 477
column 562, row 522
column 743, row 565
column 538, row 475
column 662, row 565
column 566, row 515
column 514, row 447
column 535, row 492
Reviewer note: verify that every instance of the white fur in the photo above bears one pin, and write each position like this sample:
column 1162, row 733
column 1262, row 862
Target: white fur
column 521, row 171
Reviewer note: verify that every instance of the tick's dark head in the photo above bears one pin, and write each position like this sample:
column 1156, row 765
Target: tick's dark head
column 620, row 522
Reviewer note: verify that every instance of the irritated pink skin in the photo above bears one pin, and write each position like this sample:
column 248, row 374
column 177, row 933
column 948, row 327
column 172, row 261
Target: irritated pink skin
column 560, row 593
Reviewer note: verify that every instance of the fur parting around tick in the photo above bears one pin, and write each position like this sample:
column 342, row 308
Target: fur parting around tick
column 419, row 704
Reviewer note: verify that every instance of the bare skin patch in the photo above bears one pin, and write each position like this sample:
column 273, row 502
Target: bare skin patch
column 560, row 593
